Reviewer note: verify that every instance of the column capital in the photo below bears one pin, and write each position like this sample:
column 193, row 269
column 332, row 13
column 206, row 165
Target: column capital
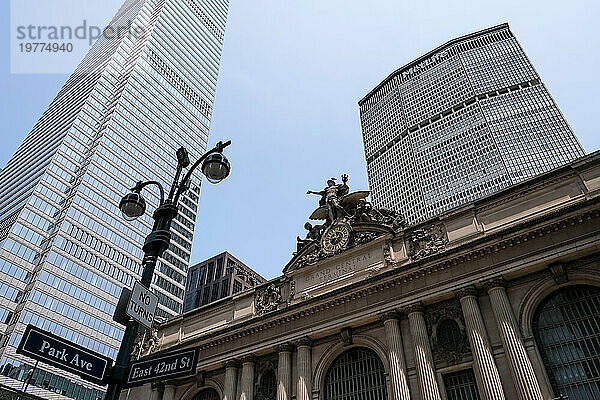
column 414, row 308
column 388, row 315
column 233, row 363
column 304, row 342
column 469, row 291
column 248, row 358
column 497, row 282
column 285, row 348
column 157, row 385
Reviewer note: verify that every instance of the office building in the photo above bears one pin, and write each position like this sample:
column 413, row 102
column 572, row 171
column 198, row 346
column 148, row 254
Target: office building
column 465, row 120
column 218, row 277
column 145, row 88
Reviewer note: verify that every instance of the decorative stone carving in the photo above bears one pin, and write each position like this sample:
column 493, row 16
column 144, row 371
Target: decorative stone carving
column 346, row 335
column 426, row 242
column 350, row 220
column 494, row 283
column 292, row 292
column 559, row 272
column 388, row 256
column 268, row 299
column 443, row 316
column 145, row 343
column 467, row 291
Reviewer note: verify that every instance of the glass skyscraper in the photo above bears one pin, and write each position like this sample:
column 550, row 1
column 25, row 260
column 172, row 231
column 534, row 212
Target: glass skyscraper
column 144, row 89
column 465, row 120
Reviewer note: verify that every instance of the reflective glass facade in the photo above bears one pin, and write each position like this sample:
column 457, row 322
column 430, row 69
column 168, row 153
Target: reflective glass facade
column 461, row 122
column 140, row 93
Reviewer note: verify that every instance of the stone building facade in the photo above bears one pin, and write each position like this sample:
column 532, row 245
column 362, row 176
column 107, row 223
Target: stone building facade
column 496, row 300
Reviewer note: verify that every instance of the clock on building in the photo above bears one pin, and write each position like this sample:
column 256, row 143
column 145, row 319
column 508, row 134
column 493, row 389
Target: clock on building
column 336, row 238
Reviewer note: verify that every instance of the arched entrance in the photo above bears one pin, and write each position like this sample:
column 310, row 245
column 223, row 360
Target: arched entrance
column 206, row 394
column 356, row 374
column 566, row 328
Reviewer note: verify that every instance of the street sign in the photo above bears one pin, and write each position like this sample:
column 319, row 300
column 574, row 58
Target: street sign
column 166, row 366
column 142, row 305
column 63, row 354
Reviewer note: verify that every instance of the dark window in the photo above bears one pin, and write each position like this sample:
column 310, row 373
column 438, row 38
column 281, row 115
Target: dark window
column 210, row 272
column 566, row 327
column 206, row 295
column 193, row 277
column 219, row 271
column 356, row 374
column 461, row 385
column 215, row 292
column 449, row 335
column 225, row 288
column 268, row 385
column 202, row 276
column 207, row 394
column 237, row 286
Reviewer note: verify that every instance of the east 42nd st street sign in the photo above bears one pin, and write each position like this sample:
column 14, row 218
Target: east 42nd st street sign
column 177, row 364
column 63, row 354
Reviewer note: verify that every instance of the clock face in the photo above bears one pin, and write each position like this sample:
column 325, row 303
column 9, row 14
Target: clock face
column 335, row 238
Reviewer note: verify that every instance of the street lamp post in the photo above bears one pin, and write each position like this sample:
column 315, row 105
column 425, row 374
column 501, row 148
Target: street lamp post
column 215, row 168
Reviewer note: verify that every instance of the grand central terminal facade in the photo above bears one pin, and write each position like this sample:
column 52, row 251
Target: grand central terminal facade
column 499, row 299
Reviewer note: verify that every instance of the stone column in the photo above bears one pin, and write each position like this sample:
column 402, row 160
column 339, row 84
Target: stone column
column 423, row 359
column 230, row 387
column 398, row 375
column 522, row 371
column 483, row 356
column 169, row 393
column 157, row 391
column 304, row 388
column 247, row 383
column 284, row 372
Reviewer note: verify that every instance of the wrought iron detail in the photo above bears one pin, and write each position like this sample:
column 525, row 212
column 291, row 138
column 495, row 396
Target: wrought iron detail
column 356, row 374
column 565, row 330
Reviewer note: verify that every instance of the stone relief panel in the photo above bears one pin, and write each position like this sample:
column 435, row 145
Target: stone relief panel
column 427, row 241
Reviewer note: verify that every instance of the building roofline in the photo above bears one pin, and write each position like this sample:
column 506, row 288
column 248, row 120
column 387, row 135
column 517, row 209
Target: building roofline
column 229, row 255
column 425, row 56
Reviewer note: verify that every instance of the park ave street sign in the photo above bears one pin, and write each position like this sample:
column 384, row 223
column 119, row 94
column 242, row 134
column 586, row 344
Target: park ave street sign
column 63, row 354
column 142, row 305
column 164, row 366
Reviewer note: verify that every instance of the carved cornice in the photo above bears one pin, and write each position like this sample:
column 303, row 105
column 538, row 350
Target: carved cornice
column 494, row 283
column 400, row 277
column 234, row 363
column 414, row 308
column 469, row 291
column 304, row 342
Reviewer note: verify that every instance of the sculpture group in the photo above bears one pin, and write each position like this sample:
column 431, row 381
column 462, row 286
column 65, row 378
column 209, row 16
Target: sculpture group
column 337, row 205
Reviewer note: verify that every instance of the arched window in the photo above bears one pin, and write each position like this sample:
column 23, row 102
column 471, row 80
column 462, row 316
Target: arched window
column 357, row 374
column 566, row 327
column 207, row 394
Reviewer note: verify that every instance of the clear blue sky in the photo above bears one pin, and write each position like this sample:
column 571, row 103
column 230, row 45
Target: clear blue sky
column 291, row 75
